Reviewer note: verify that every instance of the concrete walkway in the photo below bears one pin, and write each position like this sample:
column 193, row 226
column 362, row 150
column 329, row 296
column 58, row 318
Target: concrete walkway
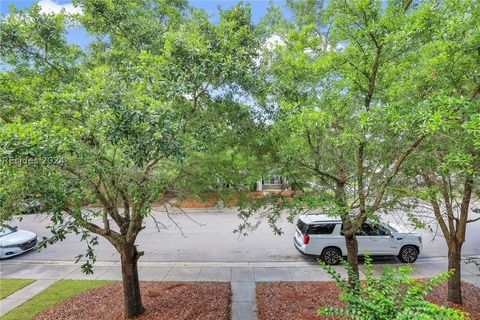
column 19, row 297
column 241, row 275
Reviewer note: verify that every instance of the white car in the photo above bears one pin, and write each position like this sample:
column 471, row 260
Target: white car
column 321, row 235
column 14, row 242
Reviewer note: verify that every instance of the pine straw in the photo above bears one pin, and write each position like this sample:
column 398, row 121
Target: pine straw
column 162, row 301
column 301, row 300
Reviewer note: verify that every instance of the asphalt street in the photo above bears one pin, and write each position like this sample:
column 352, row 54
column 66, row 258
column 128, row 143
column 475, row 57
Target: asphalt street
column 206, row 235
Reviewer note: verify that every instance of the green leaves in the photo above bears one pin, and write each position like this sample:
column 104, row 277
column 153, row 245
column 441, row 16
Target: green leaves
column 140, row 114
column 392, row 295
column 33, row 39
column 33, row 140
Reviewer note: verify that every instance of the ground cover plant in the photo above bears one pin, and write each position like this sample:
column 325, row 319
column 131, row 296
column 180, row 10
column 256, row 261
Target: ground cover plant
column 392, row 295
column 302, row 299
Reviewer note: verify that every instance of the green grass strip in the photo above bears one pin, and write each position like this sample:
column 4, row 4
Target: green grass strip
column 59, row 291
column 9, row 286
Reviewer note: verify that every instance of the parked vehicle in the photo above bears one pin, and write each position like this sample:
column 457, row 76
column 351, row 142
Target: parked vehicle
column 14, row 241
column 321, row 235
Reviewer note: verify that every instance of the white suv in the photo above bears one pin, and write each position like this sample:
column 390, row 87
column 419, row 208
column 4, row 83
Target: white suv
column 321, row 235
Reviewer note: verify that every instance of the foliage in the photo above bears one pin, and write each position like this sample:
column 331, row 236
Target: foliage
column 392, row 295
column 137, row 115
column 352, row 91
column 440, row 181
column 129, row 119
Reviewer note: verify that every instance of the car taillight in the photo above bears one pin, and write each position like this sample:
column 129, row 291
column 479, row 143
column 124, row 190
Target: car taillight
column 306, row 238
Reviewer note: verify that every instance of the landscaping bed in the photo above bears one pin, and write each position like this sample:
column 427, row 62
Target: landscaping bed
column 162, row 300
column 301, row 300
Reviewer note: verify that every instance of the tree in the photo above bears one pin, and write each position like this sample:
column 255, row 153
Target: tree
column 118, row 122
column 444, row 173
column 338, row 130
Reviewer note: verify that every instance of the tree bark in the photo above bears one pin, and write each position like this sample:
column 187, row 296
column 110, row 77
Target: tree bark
column 131, row 285
column 352, row 255
column 454, row 282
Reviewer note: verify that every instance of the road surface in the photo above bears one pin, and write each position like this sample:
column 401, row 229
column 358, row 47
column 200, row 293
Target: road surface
column 209, row 238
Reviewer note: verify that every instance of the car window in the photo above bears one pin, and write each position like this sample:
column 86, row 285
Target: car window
column 375, row 229
column 302, row 226
column 358, row 233
column 4, row 230
column 324, row 228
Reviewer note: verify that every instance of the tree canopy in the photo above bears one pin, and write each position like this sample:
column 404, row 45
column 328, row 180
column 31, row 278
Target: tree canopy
column 120, row 122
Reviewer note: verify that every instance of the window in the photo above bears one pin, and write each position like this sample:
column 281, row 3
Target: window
column 302, row 226
column 324, row 228
column 375, row 230
column 358, row 233
column 4, row 230
column 274, row 180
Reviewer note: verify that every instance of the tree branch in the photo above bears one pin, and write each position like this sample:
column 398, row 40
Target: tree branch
column 396, row 166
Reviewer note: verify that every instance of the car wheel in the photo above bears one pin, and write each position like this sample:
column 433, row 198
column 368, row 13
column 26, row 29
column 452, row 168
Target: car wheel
column 331, row 256
column 408, row 254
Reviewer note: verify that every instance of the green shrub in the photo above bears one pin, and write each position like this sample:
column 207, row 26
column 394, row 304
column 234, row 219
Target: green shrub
column 392, row 295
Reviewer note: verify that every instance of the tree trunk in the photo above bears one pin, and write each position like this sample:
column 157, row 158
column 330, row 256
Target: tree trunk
column 454, row 282
column 131, row 285
column 352, row 254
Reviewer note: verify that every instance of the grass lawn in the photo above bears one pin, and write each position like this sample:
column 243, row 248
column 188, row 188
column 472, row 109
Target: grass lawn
column 59, row 291
column 9, row 286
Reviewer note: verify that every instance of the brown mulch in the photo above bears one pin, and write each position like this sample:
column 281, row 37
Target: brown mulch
column 301, row 300
column 162, row 301
column 295, row 300
column 470, row 296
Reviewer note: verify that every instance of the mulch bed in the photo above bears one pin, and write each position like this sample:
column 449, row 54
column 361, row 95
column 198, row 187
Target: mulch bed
column 470, row 296
column 162, row 301
column 301, row 300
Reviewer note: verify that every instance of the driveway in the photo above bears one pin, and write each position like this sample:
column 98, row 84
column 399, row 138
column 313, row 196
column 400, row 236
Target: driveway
column 207, row 236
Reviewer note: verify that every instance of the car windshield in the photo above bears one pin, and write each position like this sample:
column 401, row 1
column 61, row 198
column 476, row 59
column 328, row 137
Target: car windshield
column 4, row 230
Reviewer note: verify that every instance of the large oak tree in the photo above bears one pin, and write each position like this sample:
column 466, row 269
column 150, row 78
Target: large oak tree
column 117, row 122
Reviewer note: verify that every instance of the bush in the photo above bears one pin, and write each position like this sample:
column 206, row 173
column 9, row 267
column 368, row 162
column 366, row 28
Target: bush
column 393, row 295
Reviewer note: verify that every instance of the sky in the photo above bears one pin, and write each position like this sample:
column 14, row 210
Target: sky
column 79, row 36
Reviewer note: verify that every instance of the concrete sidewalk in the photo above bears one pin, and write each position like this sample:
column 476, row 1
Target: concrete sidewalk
column 19, row 297
column 241, row 275
column 211, row 271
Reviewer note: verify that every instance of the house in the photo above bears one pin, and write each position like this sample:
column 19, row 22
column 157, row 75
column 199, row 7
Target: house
column 272, row 184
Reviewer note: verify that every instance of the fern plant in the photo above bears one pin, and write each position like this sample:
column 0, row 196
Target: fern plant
column 394, row 295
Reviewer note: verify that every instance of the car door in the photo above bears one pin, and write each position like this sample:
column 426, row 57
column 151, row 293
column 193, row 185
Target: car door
column 382, row 242
column 363, row 240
